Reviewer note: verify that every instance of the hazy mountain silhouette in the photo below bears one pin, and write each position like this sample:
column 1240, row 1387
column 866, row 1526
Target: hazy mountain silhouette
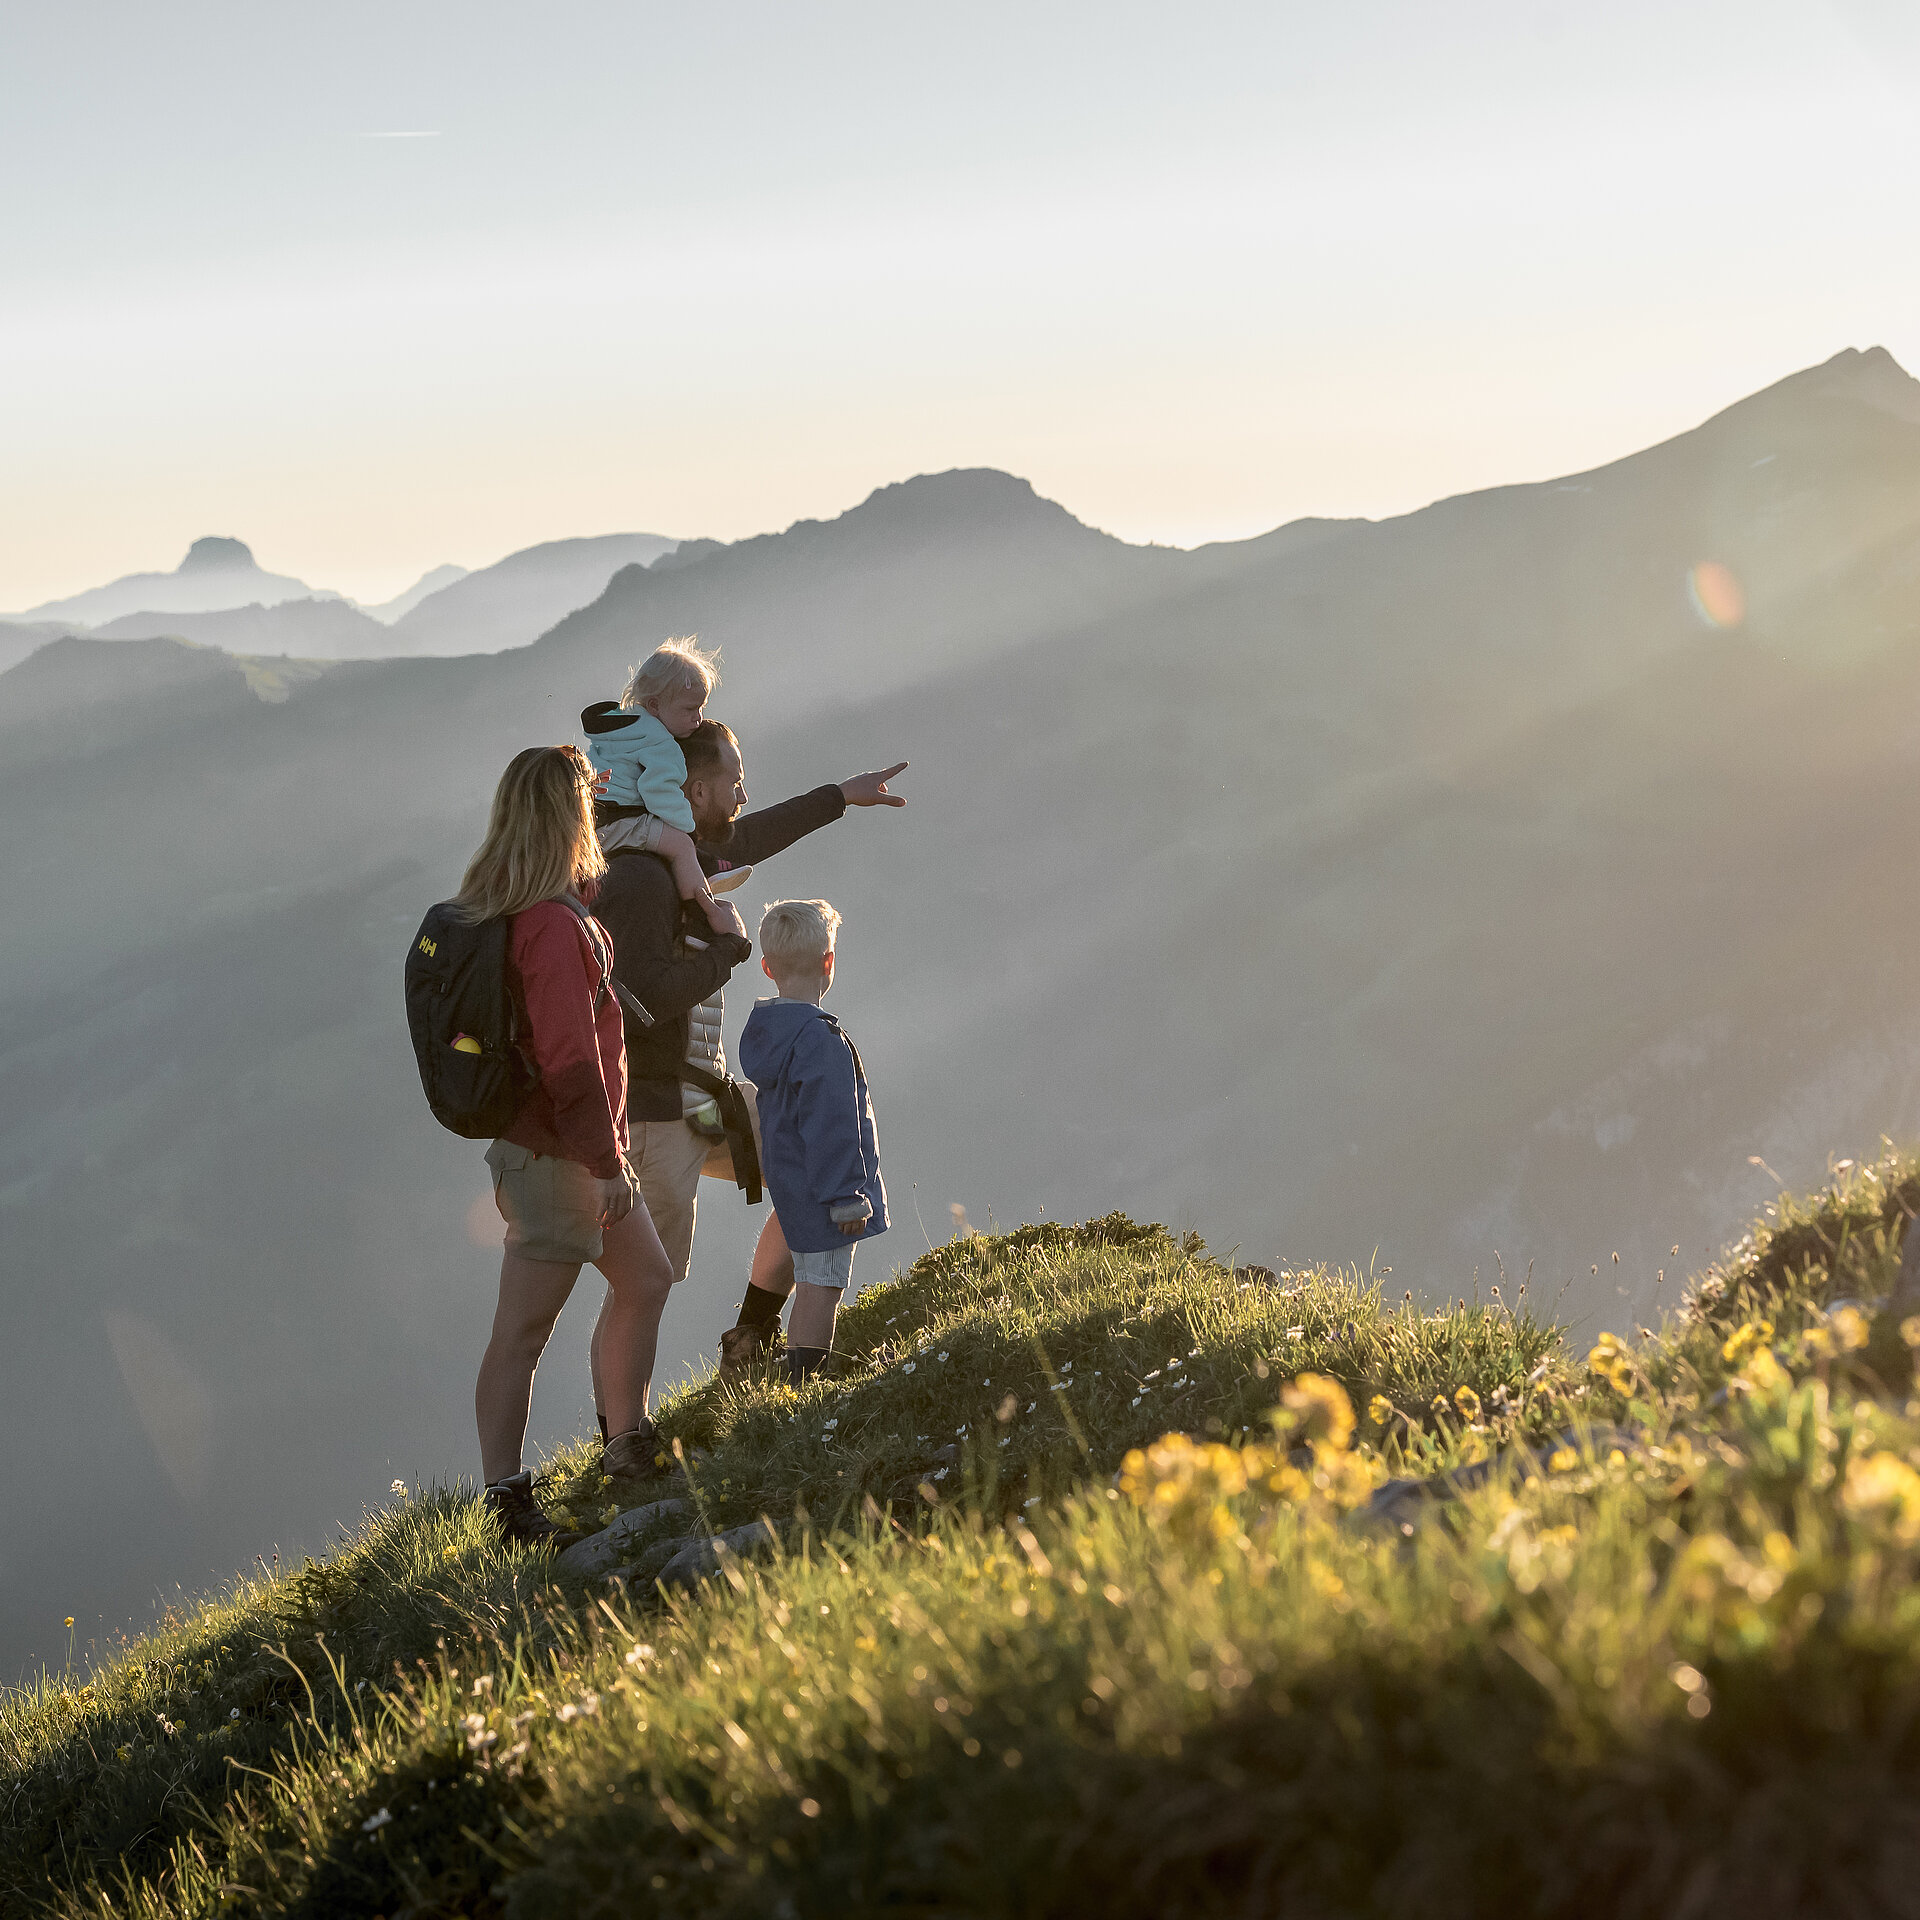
column 429, row 582
column 314, row 629
column 518, row 598
column 17, row 640
column 216, row 573
column 1442, row 886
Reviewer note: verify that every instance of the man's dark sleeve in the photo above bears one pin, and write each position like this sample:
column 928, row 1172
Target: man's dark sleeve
column 760, row 835
column 639, row 906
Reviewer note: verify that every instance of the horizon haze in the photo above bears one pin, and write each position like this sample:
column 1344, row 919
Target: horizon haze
column 650, row 267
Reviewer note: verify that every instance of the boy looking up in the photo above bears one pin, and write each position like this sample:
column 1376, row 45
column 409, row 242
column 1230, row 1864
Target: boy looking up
column 819, row 1150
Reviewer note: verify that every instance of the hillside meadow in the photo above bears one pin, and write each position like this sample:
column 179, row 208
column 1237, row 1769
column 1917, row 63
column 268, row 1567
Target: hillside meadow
column 1109, row 1577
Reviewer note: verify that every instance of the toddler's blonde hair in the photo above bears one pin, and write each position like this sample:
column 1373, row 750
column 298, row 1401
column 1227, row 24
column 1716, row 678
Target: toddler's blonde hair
column 797, row 933
column 671, row 666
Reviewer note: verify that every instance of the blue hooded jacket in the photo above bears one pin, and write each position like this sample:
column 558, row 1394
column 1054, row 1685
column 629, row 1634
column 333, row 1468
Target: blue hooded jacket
column 819, row 1149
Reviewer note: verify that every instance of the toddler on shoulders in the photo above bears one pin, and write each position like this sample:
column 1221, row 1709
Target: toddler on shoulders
column 639, row 770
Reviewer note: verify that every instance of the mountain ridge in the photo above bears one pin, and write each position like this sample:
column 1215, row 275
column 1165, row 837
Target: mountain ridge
column 1464, row 844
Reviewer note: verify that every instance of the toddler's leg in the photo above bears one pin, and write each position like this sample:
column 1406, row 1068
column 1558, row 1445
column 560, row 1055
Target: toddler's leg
column 688, row 878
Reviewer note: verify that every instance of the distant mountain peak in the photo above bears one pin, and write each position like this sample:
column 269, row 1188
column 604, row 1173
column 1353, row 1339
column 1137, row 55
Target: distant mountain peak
column 975, row 497
column 216, row 553
column 1871, row 377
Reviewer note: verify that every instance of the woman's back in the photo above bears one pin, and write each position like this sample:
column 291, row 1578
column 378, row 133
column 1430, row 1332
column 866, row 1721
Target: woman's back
column 559, row 965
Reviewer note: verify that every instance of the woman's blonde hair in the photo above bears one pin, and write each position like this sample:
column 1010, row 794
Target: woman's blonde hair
column 671, row 666
column 540, row 838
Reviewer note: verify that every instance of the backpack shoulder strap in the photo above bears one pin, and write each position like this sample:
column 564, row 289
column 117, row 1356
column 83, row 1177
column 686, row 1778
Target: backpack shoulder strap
column 601, row 945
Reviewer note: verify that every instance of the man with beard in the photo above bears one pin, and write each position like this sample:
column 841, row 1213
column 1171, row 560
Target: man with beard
column 676, row 968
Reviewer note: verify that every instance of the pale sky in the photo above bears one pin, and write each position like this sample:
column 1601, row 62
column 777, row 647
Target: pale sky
column 1194, row 270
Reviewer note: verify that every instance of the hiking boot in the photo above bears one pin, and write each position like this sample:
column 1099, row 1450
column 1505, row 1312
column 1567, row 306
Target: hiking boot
column 634, row 1460
column 740, row 1347
column 521, row 1522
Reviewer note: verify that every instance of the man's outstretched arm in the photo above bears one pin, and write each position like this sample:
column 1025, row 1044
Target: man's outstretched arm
column 760, row 835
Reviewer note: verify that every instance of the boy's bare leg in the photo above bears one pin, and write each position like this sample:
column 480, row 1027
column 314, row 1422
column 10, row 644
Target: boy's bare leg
column 772, row 1269
column 814, row 1312
column 769, row 1281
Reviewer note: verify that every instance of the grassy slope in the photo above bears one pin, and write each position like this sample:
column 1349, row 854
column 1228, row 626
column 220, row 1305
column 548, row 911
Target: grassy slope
column 1662, row 1680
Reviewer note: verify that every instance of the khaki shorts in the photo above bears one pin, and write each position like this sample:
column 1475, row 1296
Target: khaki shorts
column 668, row 1158
column 551, row 1206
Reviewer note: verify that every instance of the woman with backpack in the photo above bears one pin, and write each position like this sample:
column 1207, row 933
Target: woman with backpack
column 560, row 1175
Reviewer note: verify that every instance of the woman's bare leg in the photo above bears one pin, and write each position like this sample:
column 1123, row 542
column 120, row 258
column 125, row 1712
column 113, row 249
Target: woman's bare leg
column 627, row 1338
column 532, row 1292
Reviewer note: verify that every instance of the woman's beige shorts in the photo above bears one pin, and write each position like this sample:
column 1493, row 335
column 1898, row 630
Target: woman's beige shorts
column 551, row 1206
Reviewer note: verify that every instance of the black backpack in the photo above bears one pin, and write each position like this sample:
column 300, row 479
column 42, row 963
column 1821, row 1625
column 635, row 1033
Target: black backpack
column 461, row 1017
column 457, row 992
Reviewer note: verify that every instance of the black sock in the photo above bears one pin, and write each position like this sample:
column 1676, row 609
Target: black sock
column 802, row 1361
column 602, row 1418
column 760, row 1308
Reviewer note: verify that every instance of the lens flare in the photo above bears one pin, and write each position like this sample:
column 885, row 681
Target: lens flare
column 483, row 1221
column 1716, row 595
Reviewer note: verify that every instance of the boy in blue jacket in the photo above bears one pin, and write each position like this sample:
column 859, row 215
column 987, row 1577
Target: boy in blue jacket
column 819, row 1150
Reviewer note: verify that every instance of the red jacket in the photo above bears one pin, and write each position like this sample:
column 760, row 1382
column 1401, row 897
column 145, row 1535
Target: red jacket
column 577, row 1108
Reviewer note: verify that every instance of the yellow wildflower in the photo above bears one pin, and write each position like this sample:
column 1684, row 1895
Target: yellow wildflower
column 1612, row 1362
column 1380, row 1409
column 1468, row 1402
column 1881, row 1486
column 1562, row 1460
column 1851, row 1328
column 1316, row 1409
column 1910, row 1329
column 1743, row 1340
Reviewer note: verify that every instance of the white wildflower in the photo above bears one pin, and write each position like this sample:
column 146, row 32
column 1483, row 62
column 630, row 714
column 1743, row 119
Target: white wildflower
column 399, row 1486
column 375, row 1822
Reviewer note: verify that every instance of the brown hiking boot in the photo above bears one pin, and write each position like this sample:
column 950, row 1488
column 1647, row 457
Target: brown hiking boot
column 740, row 1347
column 634, row 1460
column 519, row 1518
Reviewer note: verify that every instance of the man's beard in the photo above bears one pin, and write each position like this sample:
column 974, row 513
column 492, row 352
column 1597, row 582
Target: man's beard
column 715, row 833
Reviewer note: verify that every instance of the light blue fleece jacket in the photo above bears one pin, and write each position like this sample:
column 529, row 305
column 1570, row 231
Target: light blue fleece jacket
column 637, row 763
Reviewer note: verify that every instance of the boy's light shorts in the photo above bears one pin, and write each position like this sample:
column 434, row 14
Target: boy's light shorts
column 551, row 1206
column 834, row 1268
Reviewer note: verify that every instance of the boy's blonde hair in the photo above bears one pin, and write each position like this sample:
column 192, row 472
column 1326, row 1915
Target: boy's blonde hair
column 797, row 933
column 540, row 840
column 670, row 667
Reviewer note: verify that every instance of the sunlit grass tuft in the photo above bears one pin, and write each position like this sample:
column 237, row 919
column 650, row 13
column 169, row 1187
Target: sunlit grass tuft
column 1084, row 1615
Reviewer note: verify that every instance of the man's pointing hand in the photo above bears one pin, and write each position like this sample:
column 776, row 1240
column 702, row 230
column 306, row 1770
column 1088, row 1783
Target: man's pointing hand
column 870, row 789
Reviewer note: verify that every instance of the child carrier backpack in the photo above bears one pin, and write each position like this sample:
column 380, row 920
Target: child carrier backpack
column 461, row 1017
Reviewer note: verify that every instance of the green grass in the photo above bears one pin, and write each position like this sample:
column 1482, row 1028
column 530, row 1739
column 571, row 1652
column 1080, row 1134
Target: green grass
column 1667, row 1677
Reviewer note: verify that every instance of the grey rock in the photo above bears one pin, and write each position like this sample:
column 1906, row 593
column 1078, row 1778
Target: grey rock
column 706, row 1557
column 646, row 1569
column 1399, row 1506
column 614, row 1544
